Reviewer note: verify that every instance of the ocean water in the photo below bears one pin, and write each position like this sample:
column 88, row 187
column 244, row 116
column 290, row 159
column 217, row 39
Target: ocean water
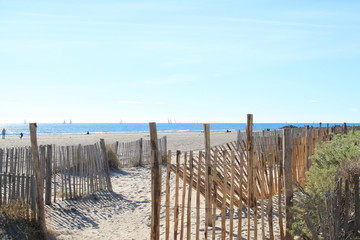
column 82, row 128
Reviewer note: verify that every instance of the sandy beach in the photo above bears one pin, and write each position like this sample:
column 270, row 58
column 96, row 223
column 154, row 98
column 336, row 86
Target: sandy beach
column 183, row 141
column 125, row 213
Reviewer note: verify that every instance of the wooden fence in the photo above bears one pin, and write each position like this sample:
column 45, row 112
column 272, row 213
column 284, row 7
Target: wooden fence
column 17, row 182
column 68, row 172
column 340, row 213
column 239, row 189
column 137, row 153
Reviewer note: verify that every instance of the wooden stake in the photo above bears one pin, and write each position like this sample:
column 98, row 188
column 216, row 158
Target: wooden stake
column 39, row 179
column 188, row 222
column 168, row 173
column 357, row 201
column 155, row 184
column 280, row 189
column 198, row 197
column 249, row 150
column 183, row 197
column 207, row 180
column 287, row 158
column 239, row 234
column 270, row 203
column 224, row 197
column 176, row 209
column 48, row 175
column 232, row 194
column 262, row 185
column 214, row 180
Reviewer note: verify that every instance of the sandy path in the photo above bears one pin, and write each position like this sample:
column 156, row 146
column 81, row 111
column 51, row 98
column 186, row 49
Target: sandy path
column 124, row 214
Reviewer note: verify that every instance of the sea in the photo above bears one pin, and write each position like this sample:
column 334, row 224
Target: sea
column 82, row 128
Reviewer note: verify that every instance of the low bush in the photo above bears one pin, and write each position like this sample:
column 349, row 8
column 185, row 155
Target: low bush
column 335, row 159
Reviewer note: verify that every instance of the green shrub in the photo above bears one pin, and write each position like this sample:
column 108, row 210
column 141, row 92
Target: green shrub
column 338, row 158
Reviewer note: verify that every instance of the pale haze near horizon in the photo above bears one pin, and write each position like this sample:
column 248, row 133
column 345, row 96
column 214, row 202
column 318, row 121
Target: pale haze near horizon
column 184, row 61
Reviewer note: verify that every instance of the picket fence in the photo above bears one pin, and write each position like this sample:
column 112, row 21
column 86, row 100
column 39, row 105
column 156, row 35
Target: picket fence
column 241, row 189
column 69, row 172
column 137, row 153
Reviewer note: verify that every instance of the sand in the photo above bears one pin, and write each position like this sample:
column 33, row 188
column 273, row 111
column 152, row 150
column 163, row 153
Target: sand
column 125, row 213
column 183, row 141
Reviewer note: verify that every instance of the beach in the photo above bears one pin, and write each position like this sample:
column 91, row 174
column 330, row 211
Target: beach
column 184, row 141
column 126, row 212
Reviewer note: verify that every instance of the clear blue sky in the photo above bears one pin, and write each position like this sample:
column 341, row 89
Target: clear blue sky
column 192, row 61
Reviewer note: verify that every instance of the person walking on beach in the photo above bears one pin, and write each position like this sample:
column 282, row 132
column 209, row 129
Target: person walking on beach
column 21, row 135
column 3, row 133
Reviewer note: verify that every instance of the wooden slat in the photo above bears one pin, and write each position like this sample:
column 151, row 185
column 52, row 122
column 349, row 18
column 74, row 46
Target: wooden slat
column 188, row 222
column 232, row 195
column 168, row 173
column 270, row 203
column 176, row 208
column 198, row 196
column 48, row 162
column 183, row 197
column 224, row 197
column 214, row 178
column 287, row 158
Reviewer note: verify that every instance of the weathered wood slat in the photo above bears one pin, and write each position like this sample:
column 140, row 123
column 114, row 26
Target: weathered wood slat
column 167, row 201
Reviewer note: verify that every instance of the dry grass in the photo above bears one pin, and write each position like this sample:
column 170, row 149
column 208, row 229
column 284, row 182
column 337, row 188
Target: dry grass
column 112, row 158
column 14, row 223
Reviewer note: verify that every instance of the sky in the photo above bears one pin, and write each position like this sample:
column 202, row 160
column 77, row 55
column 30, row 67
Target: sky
column 187, row 61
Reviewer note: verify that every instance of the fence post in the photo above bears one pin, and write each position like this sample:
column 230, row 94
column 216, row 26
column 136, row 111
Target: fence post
column 141, row 151
column 250, row 160
column 287, row 158
column 357, row 202
column 208, row 215
column 165, row 145
column 48, row 164
column 106, row 162
column 38, row 179
column 155, row 183
column 307, row 147
column 345, row 129
column 168, row 175
column 116, row 147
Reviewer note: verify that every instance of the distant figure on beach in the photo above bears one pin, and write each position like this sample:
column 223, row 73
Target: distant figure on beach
column 21, row 135
column 228, row 131
column 3, row 133
column 87, row 133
